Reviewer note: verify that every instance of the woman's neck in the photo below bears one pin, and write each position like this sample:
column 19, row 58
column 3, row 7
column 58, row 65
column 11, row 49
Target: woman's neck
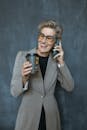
column 42, row 54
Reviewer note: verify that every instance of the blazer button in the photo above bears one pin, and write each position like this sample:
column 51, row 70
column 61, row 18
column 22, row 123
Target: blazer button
column 41, row 96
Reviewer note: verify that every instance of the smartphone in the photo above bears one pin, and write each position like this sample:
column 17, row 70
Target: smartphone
column 55, row 52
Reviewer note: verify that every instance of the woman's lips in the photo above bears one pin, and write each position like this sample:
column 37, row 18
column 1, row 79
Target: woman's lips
column 43, row 46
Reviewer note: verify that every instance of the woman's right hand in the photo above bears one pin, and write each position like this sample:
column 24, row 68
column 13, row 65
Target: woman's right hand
column 26, row 71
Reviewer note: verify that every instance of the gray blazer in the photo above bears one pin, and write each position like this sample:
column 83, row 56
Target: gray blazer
column 39, row 93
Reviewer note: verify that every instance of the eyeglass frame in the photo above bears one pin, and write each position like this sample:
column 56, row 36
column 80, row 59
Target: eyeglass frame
column 53, row 38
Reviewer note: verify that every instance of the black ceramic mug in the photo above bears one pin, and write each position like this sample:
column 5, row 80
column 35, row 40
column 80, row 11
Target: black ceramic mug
column 33, row 58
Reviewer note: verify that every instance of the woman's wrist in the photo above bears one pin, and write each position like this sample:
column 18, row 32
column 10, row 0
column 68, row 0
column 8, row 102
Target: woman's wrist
column 24, row 79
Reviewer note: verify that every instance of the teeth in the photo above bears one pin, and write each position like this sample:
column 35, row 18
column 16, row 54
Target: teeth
column 43, row 46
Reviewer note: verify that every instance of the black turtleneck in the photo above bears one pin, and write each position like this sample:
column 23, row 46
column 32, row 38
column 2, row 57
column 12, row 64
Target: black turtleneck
column 43, row 64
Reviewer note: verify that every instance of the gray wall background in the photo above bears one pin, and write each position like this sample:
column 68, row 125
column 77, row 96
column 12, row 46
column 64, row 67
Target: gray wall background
column 18, row 31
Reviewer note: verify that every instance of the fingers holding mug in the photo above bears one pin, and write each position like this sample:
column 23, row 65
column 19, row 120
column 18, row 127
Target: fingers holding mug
column 27, row 68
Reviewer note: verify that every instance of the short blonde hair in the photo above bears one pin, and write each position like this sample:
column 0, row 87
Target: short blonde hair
column 54, row 25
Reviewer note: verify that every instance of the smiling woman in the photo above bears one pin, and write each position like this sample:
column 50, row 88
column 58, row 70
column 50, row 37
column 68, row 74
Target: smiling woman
column 38, row 110
column 46, row 41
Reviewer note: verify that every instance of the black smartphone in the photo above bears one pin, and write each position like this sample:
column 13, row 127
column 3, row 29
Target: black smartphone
column 55, row 52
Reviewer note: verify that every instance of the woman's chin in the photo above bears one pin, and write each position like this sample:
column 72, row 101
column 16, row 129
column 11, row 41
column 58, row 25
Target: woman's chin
column 43, row 51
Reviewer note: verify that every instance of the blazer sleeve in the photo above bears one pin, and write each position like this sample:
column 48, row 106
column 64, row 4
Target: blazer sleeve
column 65, row 78
column 16, row 81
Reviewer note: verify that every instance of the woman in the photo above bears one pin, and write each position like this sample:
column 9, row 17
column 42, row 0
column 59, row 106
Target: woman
column 38, row 110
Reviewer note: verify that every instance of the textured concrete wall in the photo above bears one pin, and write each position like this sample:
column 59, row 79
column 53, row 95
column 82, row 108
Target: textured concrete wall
column 18, row 31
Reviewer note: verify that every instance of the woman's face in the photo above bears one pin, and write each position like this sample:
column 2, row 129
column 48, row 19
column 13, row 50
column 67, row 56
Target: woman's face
column 46, row 40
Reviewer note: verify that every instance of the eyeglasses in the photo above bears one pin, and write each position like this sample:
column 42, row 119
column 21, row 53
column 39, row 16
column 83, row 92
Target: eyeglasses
column 49, row 38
